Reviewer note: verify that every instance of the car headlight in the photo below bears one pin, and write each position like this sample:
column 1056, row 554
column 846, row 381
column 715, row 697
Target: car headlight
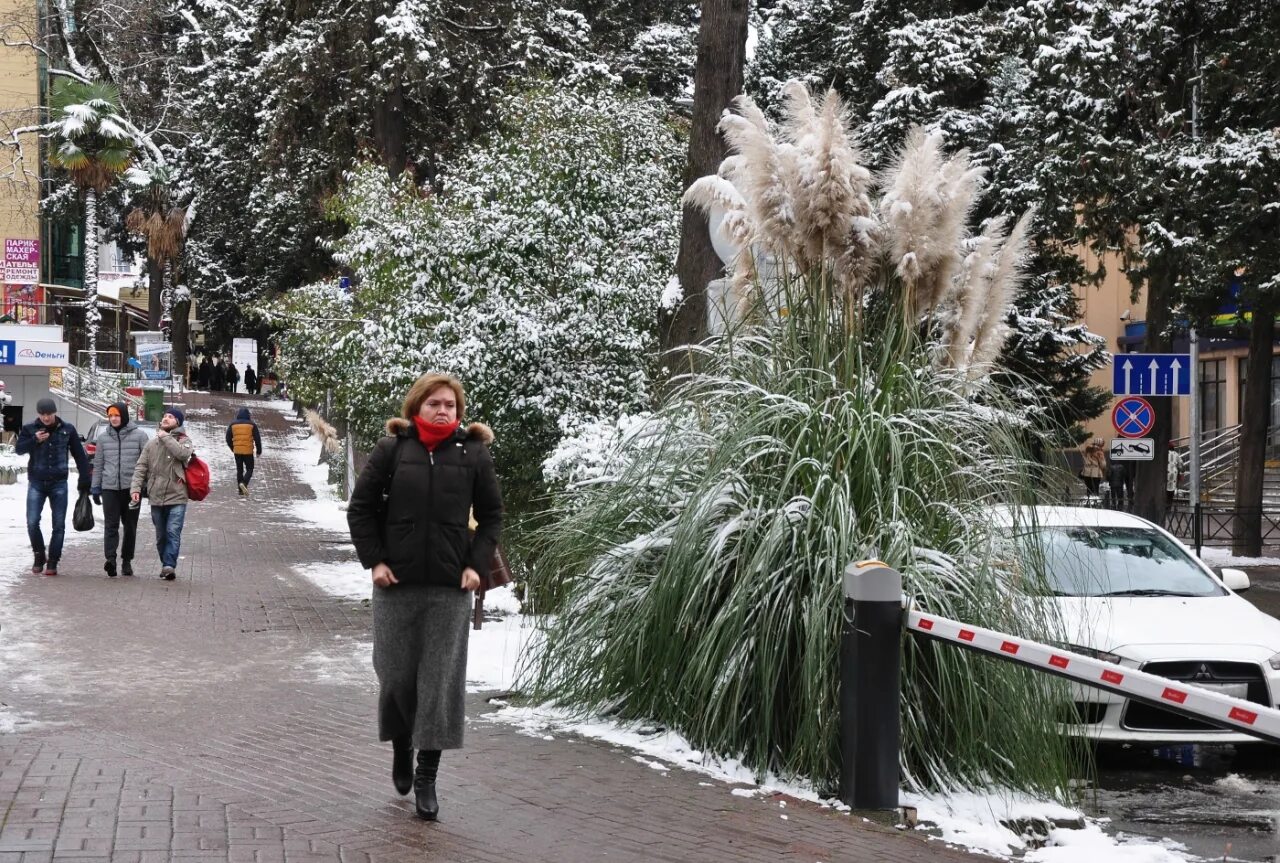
column 1111, row 657
column 1274, row 662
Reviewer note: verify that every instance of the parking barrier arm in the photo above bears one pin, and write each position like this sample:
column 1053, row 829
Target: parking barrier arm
column 1214, row 708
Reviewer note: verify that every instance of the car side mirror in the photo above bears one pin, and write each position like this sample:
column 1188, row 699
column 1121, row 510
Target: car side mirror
column 1235, row 579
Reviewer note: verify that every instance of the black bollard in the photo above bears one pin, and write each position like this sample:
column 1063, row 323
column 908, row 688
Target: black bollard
column 870, row 686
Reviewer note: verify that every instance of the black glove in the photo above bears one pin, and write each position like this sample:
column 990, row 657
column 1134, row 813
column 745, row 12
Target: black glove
column 97, row 499
column 83, row 488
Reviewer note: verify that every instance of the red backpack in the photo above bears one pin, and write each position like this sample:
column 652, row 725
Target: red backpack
column 197, row 472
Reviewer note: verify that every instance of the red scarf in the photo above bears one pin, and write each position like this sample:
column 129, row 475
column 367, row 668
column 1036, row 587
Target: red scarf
column 434, row 434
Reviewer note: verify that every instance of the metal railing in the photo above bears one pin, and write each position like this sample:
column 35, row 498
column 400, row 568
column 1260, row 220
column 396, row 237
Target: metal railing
column 1219, row 455
column 94, row 391
column 1220, row 524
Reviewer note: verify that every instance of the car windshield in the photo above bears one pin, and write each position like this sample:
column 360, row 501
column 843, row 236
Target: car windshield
column 1120, row 561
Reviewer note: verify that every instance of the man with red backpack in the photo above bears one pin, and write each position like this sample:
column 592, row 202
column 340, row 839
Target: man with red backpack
column 161, row 470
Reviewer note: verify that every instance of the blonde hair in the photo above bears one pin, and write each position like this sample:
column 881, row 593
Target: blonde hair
column 425, row 386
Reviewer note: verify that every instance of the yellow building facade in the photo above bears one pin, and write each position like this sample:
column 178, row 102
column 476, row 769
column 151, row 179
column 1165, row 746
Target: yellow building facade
column 19, row 110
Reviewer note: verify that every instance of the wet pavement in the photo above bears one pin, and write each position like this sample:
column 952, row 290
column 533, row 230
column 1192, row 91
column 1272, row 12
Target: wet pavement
column 144, row 720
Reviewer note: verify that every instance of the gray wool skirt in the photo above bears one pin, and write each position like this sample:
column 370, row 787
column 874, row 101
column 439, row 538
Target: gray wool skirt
column 420, row 635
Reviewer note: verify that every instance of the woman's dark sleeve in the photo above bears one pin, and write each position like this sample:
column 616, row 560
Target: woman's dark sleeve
column 364, row 510
column 486, row 506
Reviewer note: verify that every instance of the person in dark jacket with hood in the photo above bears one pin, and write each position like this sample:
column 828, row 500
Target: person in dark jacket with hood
column 118, row 450
column 243, row 439
column 250, row 381
column 409, row 516
column 48, row 441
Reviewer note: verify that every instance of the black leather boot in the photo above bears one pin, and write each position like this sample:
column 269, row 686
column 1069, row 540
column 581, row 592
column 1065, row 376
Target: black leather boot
column 424, row 784
column 402, row 765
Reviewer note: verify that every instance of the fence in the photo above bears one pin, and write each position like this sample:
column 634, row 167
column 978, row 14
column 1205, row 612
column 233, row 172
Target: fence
column 1219, row 524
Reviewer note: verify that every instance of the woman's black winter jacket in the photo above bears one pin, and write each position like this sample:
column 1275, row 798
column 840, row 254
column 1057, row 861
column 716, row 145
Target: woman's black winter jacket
column 421, row 531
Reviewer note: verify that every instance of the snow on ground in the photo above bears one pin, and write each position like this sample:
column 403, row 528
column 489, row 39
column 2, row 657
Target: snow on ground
column 971, row 819
column 27, row 663
column 980, row 822
column 1224, row 557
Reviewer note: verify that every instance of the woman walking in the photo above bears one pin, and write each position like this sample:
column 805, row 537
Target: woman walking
column 409, row 522
column 1095, row 466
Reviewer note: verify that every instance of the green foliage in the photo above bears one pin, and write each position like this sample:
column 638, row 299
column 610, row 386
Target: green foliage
column 695, row 572
column 534, row 276
column 91, row 142
column 700, row 578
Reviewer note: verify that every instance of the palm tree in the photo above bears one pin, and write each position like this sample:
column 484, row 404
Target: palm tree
column 163, row 225
column 94, row 146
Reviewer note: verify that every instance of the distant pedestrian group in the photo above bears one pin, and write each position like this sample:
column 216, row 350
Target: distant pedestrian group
column 217, row 374
column 1109, row 481
column 127, row 465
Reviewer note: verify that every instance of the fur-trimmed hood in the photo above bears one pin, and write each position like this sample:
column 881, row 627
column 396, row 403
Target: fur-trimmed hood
column 399, row 426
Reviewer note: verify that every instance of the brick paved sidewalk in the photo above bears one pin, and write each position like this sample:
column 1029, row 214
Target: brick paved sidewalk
column 185, row 721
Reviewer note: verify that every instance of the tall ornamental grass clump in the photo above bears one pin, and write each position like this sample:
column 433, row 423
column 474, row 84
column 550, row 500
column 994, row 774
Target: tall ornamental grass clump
column 848, row 416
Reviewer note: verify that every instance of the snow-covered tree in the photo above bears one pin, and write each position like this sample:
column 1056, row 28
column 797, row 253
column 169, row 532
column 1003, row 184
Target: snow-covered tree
column 94, row 148
column 534, row 274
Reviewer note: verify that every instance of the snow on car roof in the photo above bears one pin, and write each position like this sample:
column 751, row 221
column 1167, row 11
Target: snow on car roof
column 1067, row 516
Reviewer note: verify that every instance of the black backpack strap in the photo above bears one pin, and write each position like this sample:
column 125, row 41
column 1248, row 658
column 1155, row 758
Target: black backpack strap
column 395, row 464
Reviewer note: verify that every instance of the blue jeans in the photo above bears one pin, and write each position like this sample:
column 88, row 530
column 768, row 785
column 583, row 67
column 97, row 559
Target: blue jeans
column 55, row 491
column 168, row 521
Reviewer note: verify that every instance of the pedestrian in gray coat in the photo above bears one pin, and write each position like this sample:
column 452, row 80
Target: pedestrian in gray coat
column 409, row 517
column 118, row 450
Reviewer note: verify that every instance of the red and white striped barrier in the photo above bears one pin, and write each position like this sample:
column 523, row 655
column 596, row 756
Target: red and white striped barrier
column 1233, row 714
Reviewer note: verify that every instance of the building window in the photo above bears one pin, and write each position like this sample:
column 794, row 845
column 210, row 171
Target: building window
column 66, row 254
column 1274, row 419
column 1213, row 391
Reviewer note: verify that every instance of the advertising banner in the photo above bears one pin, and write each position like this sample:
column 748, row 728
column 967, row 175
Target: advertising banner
column 21, row 261
column 244, row 353
column 22, row 302
column 24, row 353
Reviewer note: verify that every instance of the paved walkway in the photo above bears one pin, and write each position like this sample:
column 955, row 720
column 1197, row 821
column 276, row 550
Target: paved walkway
column 186, row 721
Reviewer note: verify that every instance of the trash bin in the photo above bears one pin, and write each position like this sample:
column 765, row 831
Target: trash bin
column 152, row 403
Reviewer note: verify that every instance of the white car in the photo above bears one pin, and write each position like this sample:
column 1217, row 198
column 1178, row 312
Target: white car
column 1129, row 592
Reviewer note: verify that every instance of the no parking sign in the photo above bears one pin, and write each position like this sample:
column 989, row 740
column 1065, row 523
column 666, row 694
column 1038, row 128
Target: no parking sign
column 1133, row 417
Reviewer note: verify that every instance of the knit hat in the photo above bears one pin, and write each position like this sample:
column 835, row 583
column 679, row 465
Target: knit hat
column 177, row 414
column 121, row 410
column 46, row 406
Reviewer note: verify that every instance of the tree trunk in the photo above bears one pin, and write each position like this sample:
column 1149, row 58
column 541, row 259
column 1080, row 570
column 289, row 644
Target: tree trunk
column 388, row 114
column 181, row 338
column 92, row 315
column 1150, row 484
column 1255, row 417
column 166, row 298
column 722, row 46
column 389, row 132
column 155, row 286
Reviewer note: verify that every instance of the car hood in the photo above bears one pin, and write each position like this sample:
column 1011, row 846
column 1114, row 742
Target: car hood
column 1170, row 622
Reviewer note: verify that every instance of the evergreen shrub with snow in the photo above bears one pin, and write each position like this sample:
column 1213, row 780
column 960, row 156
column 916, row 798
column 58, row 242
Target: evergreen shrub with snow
column 534, row 276
column 697, row 562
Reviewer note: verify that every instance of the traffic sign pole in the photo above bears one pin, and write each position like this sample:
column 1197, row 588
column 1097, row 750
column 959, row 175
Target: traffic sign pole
column 1196, row 422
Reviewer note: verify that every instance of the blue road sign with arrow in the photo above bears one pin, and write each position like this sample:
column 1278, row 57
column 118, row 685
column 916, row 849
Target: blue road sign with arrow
column 1151, row 375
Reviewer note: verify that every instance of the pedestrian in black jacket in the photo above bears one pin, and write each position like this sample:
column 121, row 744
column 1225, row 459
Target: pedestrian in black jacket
column 434, row 473
column 250, row 381
column 49, row 444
